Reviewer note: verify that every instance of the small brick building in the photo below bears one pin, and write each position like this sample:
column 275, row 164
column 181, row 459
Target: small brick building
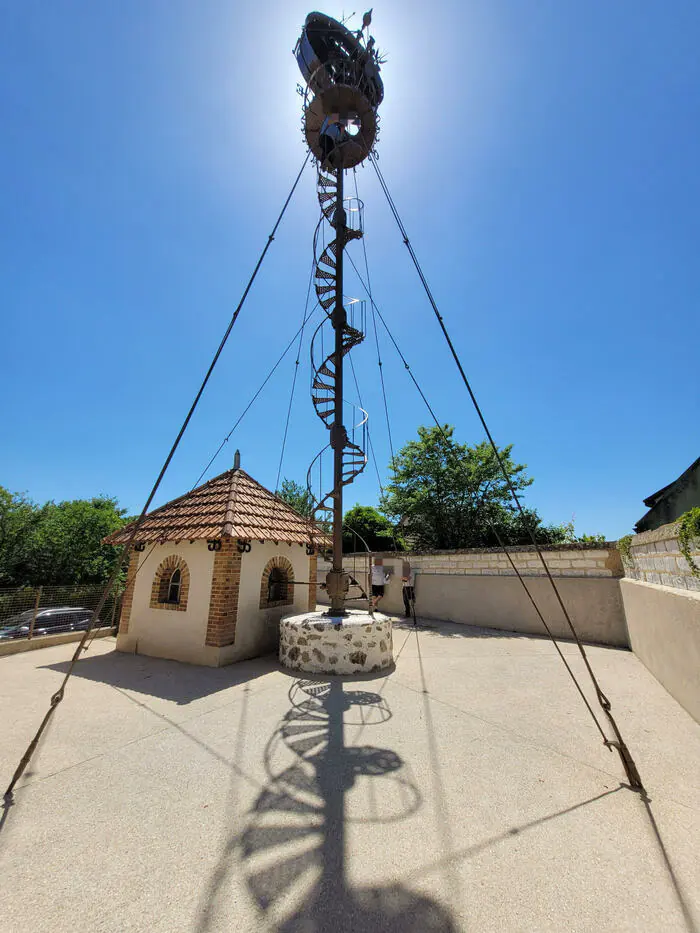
column 212, row 573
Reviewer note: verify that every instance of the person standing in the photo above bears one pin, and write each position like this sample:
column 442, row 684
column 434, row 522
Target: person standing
column 379, row 578
column 331, row 135
column 408, row 579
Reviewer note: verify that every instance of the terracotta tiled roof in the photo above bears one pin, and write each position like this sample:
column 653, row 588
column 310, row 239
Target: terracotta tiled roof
column 232, row 504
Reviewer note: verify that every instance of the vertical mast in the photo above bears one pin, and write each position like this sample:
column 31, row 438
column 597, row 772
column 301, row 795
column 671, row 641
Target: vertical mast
column 338, row 586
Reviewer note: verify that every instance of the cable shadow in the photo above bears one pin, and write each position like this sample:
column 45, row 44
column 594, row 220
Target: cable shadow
column 686, row 910
column 479, row 847
column 442, row 822
column 447, row 863
column 230, row 763
column 293, row 847
column 29, row 772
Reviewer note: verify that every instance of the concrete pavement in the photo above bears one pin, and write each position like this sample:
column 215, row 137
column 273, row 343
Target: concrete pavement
column 467, row 790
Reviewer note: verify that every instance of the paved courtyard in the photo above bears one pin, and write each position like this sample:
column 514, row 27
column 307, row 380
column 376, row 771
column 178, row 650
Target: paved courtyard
column 468, row 790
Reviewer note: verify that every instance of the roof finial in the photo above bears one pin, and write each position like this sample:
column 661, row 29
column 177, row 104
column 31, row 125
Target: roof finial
column 237, row 460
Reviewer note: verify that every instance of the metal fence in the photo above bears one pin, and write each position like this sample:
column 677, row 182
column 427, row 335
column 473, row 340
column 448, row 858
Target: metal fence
column 32, row 612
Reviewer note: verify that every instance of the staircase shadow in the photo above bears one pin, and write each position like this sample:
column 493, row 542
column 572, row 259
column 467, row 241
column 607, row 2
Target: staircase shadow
column 293, row 847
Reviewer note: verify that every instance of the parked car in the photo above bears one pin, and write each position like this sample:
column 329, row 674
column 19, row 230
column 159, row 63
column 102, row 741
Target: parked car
column 48, row 622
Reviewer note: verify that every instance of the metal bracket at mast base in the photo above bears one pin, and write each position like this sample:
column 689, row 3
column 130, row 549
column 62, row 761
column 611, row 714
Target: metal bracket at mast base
column 337, row 585
column 628, row 764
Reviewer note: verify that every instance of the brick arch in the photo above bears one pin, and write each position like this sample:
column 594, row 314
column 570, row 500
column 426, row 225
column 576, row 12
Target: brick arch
column 161, row 581
column 279, row 563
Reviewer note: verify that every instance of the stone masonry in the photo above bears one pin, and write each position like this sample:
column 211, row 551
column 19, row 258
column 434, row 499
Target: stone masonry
column 600, row 560
column 225, row 585
column 655, row 557
column 318, row 643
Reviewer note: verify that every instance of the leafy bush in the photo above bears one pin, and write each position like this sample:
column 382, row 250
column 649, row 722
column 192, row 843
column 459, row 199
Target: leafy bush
column 688, row 529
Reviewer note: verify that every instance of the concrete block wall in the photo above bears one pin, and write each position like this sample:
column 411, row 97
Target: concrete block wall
column 655, row 557
column 571, row 560
column 478, row 586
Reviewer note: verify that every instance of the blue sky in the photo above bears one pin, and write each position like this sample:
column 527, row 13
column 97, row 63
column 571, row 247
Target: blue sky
column 544, row 158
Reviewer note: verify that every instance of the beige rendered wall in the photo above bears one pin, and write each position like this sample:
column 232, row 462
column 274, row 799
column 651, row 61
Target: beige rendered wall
column 661, row 595
column 167, row 633
column 257, row 629
column 595, row 606
column 664, row 630
column 478, row 586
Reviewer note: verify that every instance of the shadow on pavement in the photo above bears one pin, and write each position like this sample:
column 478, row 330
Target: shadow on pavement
column 685, row 907
column 292, row 849
column 455, row 629
column 7, row 804
column 170, row 680
column 446, row 629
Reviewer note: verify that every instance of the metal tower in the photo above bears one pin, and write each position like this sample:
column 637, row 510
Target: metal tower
column 343, row 91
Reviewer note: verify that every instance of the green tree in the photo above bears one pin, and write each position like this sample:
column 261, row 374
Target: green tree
column 297, row 496
column 566, row 534
column 58, row 542
column 371, row 525
column 68, row 544
column 19, row 517
column 451, row 495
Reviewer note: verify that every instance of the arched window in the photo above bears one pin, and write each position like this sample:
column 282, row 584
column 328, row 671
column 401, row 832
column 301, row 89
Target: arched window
column 276, row 585
column 171, row 584
column 174, row 587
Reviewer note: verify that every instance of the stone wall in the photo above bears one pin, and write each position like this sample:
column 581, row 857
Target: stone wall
column 655, row 557
column 478, row 586
column 570, row 560
column 323, row 644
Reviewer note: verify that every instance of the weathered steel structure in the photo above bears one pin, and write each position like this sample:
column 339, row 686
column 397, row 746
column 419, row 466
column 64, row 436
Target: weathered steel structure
column 340, row 101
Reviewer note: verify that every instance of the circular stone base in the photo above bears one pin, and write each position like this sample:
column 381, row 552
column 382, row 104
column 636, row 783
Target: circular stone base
column 318, row 643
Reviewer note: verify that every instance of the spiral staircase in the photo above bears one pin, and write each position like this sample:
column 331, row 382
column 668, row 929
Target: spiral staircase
column 324, row 373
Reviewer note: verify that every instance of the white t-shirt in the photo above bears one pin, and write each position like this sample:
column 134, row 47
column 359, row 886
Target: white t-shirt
column 411, row 578
column 378, row 576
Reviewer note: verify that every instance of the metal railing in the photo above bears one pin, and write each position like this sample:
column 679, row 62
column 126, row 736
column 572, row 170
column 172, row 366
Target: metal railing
column 32, row 612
